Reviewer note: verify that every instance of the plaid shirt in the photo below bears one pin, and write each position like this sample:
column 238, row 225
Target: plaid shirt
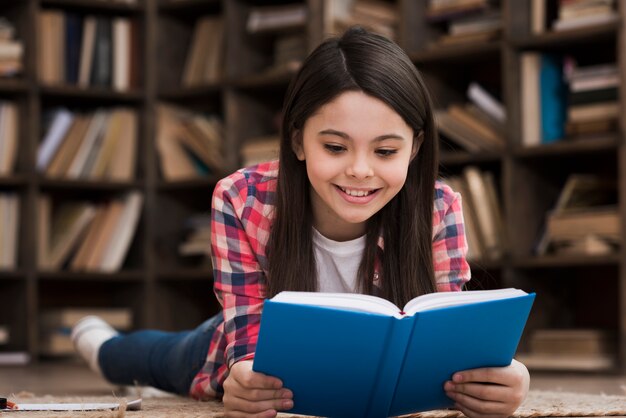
column 242, row 214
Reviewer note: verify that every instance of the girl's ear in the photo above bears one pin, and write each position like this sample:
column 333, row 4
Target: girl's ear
column 417, row 143
column 296, row 145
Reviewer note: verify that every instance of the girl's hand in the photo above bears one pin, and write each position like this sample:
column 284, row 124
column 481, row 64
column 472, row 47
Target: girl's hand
column 489, row 392
column 251, row 394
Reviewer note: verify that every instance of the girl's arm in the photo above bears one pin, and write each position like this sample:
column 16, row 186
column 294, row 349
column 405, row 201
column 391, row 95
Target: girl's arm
column 489, row 392
column 239, row 283
column 449, row 242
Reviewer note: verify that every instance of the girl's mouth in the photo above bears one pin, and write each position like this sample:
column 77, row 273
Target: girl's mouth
column 357, row 195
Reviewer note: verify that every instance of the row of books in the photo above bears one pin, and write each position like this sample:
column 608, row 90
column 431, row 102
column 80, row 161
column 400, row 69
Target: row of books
column 55, row 327
column 466, row 20
column 274, row 18
column 88, row 50
column 566, row 100
column 11, row 50
column 204, row 62
column 584, row 220
column 589, row 349
column 9, row 230
column 86, row 236
column 592, row 100
column 189, row 144
column 570, row 14
column 97, row 145
column 9, row 135
column 475, row 126
column 484, row 222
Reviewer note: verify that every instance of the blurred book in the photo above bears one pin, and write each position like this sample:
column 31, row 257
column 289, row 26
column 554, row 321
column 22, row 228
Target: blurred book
column 9, row 230
column 375, row 15
column 189, row 144
column 11, row 50
column 277, row 17
column 260, row 149
column 584, row 219
column 205, row 54
column 583, row 13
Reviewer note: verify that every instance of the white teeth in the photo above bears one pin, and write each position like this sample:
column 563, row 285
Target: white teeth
column 357, row 193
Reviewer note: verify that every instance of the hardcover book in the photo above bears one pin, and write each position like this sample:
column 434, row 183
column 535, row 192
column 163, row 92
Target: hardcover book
column 351, row 355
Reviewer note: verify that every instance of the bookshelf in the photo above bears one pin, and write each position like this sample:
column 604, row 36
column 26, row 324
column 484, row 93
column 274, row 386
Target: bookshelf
column 166, row 290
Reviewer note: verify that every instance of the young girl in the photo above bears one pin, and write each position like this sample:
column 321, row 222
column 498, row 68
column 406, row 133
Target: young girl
column 352, row 205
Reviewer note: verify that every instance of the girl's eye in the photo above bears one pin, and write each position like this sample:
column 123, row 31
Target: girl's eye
column 386, row 152
column 334, row 149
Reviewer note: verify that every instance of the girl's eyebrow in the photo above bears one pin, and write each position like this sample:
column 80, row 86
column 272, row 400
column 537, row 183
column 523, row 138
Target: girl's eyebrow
column 347, row 137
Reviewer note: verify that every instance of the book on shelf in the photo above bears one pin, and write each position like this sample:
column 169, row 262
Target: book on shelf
column 11, row 50
column 588, row 203
column 9, row 135
column 487, row 102
column 394, row 360
column 51, row 46
column 188, row 143
column 9, row 230
column 203, row 64
column 86, row 236
column 68, row 225
column 87, row 50
column 490, row 138
column 442, row 11
column 96, row 146
column 377, row 16
column 544, row 99
column 277, row 17
column 481, row 195
column 260, row 149
column 583, row 13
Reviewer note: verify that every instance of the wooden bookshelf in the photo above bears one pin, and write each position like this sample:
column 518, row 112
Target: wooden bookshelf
column 166, row 290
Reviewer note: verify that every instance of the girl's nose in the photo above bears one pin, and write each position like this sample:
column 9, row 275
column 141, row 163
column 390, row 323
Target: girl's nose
column 360, row 168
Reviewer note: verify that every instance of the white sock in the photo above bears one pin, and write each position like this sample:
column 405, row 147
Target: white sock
column 88, row 335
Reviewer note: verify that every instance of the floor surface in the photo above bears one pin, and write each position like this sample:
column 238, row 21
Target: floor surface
column 75, row 379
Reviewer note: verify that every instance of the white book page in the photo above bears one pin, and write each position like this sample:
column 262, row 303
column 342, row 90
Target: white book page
column 349, row 301
column 447, row 299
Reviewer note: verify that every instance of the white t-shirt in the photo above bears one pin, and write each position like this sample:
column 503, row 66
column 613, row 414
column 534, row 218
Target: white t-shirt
column 337, row 263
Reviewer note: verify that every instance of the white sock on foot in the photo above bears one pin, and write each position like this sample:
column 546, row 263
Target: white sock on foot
column 88, row 335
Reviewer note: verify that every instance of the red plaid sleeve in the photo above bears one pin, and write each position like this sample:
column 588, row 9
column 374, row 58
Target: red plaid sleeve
column 449, row 243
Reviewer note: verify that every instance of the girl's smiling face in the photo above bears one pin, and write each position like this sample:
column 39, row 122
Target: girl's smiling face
column 357, row 152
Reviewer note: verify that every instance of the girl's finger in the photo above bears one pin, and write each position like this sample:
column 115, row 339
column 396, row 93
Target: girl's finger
column 479, row 405
column 255, row 407
column 487, row 392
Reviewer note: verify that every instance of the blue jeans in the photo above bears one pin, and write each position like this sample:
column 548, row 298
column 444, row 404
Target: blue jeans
column 165, row 360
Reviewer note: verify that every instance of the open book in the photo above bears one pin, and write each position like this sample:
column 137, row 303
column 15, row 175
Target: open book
column 354, row 355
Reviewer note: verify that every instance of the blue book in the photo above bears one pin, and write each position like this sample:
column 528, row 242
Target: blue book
column 553, row 96
column 351, row 355
column 73, row 39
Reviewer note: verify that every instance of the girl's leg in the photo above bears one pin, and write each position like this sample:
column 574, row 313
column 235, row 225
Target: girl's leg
column 166, row 360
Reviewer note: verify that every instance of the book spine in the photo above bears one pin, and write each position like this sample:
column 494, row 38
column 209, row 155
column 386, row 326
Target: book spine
column 389, row 367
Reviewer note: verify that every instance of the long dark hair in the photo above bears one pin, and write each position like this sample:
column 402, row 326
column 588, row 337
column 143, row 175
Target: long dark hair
column 358, row 61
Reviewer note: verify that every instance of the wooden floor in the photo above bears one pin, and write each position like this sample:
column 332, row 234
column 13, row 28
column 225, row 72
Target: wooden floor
column 75, row 379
